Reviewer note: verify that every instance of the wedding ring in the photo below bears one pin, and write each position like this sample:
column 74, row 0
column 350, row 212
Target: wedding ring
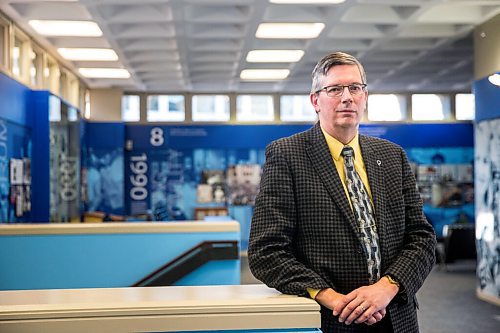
column 362, row 308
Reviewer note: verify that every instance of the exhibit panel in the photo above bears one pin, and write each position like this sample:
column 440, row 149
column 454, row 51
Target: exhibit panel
column 100, row 255
column 487, row 184
column 16, row 152
column 158, row 309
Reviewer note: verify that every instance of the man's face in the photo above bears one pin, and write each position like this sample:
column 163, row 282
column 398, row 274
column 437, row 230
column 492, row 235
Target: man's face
column 343, row 112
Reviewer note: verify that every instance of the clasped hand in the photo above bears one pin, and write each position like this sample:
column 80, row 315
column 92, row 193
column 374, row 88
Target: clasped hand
column 366, row 304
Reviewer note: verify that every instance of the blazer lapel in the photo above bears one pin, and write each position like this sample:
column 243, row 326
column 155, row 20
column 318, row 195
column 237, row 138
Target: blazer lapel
column 322, row 161
column 374, row 170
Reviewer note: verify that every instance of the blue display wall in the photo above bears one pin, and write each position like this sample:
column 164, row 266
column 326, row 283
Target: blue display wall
column 39, row 155
column 16, row 149
column 146, row 169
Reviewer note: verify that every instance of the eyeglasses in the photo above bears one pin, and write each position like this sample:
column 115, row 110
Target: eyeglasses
column 338, row 89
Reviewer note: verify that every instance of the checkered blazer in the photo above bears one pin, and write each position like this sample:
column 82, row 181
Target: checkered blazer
column 303, row 232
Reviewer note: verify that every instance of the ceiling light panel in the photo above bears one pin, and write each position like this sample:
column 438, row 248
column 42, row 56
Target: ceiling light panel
column 289, row 30
column 88, row 54
column 264, row 74
column 275, row 55
column 105, row 73
column 66, row 28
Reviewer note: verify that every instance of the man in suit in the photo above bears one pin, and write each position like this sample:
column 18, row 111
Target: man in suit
column 339, row 218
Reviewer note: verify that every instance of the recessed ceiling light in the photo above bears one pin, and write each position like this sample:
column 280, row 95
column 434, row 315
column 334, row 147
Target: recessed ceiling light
column 289, row 30
column 274, row 55
column 494, row 79
column 105, row 73
column 306, row 2
column 66, row 28
column 88, row 54
column 264, row 74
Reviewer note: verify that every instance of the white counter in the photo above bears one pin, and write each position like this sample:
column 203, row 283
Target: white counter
column 117, row 228
column 154, row 309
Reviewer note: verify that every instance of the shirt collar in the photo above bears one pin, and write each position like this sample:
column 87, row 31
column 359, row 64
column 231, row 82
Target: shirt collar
column 335, row 146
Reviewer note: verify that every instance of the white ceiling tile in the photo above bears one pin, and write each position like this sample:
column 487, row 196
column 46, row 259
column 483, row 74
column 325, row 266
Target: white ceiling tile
column 428, row 30
column 216, row 30
column 348, row 30
column 135, row 13
column 152, row 56
column 345, row 44
column 307, row 14
column 371, row 14
column 51, row 11
column 147, row 43
column 453, row 13
column 226, row 13
column 127, row 30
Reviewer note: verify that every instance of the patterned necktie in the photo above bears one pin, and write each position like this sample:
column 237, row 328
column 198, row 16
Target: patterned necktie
column 363, row 212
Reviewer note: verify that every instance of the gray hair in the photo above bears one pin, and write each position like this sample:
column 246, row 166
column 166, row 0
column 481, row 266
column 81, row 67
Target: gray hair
column 333, row 59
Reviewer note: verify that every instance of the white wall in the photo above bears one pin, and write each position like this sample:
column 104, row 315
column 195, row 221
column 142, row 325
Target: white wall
column 106, row 104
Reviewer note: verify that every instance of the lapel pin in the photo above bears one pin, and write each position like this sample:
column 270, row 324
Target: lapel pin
column 379, row 162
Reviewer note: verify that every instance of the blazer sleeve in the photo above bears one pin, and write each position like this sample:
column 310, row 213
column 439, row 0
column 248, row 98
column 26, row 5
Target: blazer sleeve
column 272, row 253
column 417, row 256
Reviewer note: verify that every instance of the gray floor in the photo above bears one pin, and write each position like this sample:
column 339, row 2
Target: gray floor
column 448, row 302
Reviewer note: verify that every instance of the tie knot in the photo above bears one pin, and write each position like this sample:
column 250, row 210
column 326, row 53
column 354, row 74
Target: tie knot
column 347, row 152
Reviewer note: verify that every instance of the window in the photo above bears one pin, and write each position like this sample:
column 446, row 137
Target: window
column 72, row 114
column 210, row 108
column 387, row 107
column 254, row 108
column 54, row 109
column 465, row 108
column 296, row 108
column 131, row 108
column 86, row 103
column 166, row 108
column 430, row 107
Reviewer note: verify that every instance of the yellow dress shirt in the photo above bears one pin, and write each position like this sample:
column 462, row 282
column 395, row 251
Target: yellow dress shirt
column 336, row 147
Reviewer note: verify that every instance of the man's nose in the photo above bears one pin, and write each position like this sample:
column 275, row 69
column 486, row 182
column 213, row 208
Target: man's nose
column 346, row 95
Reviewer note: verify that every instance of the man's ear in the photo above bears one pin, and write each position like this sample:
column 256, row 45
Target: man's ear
column 314, row 101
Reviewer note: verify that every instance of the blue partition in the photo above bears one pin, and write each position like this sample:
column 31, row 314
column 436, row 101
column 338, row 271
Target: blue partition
column 105, row 260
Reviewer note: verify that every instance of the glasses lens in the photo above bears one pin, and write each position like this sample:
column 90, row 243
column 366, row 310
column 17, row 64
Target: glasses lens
column 355, row 89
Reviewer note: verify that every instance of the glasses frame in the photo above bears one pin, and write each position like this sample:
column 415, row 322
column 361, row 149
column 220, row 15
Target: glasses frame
column 363, row 87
